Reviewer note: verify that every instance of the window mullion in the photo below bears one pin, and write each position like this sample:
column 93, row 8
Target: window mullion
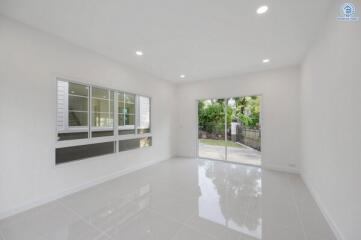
column 123, row 110
column 66, row 115
column 115, row 119
column 136, row 115
column 90, row 103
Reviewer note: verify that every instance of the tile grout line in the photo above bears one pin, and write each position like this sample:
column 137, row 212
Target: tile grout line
column 187, row 224
column 176, row 232
column 182, row 224
column 298, row 211
column 193, row 229
column 105, row 232
column 170, row 217
column 166, row 216
column 2, row 237
column 247, row 214
column 102, row 233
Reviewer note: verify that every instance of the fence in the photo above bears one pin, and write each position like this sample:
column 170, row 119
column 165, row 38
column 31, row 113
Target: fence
column 249, row 136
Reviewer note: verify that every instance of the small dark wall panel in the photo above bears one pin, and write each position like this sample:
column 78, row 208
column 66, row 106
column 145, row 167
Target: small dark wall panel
column 130, row 144
column 71, row 136
column 126, row 132
column 145, row 130
column 69, row 154
column 102, row 133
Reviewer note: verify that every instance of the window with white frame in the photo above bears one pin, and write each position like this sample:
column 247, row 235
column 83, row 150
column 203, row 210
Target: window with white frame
column 126, row 113
column 99, row 121
column 143, row 125
column 72, row 110
column 102, row 112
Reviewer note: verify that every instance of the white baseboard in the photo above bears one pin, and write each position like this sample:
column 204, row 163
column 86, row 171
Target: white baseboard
column 281, row 168
column 32, row 204
column 318, row 201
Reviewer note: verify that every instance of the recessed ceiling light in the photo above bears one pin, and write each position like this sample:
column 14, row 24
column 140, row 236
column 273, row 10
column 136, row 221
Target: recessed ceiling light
column 266, row 60
column 182, row 76
column 262, row 9
column 139, row 53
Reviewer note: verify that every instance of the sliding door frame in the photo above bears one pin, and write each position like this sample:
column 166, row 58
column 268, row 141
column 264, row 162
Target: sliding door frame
column 225, row 127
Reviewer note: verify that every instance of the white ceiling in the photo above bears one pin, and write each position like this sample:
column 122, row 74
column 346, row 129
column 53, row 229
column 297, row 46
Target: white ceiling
column 199, row 38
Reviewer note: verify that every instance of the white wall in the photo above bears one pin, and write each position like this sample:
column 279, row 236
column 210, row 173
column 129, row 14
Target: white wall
column 331, row 113
column 280, row 112
column 29, row 62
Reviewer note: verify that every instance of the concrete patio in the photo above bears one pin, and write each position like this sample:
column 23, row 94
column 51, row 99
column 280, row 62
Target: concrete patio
column 242, row 154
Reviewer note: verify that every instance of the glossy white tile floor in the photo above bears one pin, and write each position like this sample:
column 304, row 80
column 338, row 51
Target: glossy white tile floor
column 180, row 199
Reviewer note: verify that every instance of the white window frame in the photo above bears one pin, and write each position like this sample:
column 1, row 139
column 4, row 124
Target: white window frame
column 67, row 128
column 138, row 113
column 90, row 140
column 128, row 127
column 99, row 129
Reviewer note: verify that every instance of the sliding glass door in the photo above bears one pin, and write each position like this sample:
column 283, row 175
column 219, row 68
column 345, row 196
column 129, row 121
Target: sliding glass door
column 211, row 129
column 229, row 129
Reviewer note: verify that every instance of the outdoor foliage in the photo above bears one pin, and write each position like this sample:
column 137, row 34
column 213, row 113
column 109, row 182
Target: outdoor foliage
column 245, row 110
column 211, row 115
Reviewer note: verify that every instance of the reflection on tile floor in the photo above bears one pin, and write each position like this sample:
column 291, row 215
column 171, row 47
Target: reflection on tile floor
column 180, row 199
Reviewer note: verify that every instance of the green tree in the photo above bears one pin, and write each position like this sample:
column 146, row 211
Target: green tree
column 247, row 110
column 211, row 116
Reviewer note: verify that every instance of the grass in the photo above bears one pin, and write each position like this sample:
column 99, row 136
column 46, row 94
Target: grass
column 221, row 143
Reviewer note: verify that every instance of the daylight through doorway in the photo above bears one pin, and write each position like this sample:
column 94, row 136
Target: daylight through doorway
column 230, row 130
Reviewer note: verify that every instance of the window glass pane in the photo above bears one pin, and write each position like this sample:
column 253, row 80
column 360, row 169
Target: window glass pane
column 126, row 110
column 129, row 119
column 78, row 89
column 102, row 110
column 129, row 98
column 78, row 119
column 126, row 124
column 129, row 108
column 77, row 103
column 120, row 96
column 121, row 119
column 120, row 102
column 100, row 105
column 121, row 107
column 102, row 120
column 72, row 110
column 144, row 112
column 100, row 93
